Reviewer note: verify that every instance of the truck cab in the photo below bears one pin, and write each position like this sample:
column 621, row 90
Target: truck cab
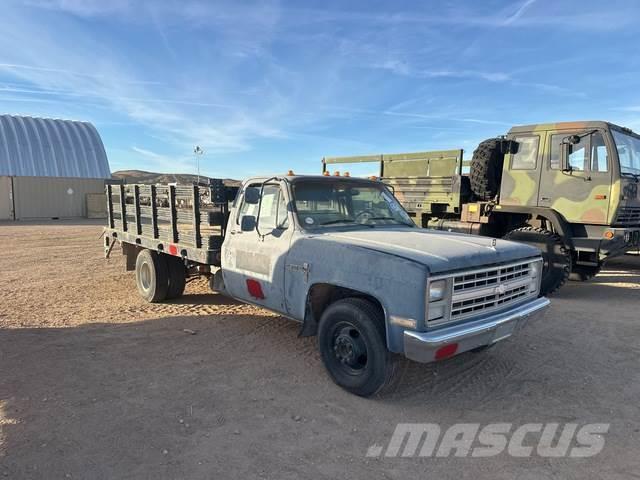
column 334, row 252
column 587, row 174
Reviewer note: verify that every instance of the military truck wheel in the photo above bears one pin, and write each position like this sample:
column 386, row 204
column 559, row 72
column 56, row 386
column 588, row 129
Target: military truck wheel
column 556, row 258
column 177, row 276
column 353, row 347
column 486, row 169
column 152, row 276
column 583, row 273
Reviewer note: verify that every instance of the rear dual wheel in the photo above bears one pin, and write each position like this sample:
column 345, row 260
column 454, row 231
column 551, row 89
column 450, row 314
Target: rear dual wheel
column 159, row 276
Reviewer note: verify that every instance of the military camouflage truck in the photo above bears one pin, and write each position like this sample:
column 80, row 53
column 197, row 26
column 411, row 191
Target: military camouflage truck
column 571, row 189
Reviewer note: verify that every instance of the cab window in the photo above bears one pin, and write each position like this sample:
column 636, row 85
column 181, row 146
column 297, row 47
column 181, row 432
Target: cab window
column 527, row 155
column 273, row 208
column 590, row 153
column 599, row 158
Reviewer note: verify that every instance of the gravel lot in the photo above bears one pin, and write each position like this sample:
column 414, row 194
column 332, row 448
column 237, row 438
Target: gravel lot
column 95, row 384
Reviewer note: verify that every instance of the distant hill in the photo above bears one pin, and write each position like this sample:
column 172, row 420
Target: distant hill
column 140, row 176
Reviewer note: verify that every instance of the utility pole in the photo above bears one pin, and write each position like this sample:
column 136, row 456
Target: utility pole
column 198, row 152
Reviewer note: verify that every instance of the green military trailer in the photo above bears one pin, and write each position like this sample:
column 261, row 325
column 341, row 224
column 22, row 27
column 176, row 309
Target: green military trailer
column 571, row 189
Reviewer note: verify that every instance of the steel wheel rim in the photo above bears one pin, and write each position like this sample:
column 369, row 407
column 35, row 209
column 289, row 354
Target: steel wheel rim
column 145, row 276
column 349, row 350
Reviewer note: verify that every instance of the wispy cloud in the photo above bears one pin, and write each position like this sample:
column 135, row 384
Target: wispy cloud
column 259, row 80
column 36, row 68
column 518, row 13
column 419, row 116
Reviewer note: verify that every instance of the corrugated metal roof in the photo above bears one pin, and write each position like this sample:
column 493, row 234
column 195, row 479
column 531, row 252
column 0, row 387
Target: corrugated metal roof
column 46, row 147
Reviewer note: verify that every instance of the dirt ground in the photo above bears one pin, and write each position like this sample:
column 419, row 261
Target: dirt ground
column 96, row 384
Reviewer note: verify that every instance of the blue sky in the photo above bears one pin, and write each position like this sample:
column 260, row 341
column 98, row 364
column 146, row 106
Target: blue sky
column 268, row 86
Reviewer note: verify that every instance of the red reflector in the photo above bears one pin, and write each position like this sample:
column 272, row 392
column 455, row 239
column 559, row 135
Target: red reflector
column 446, row 351
column 255, row 289
column 173, row 250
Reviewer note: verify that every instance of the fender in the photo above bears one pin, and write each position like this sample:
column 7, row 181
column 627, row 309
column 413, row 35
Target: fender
column 557, row 220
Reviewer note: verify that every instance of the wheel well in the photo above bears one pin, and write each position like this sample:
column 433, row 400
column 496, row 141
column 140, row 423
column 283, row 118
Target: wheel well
column 320, row 296
column 540, row 217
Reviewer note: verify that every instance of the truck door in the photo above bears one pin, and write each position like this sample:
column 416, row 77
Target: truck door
column 253, row 262
column 582, row 195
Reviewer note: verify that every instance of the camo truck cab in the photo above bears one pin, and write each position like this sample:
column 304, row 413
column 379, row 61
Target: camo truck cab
column 582, row 178
column 570, row 189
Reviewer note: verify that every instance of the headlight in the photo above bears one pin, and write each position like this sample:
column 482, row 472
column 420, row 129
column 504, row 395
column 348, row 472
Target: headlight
column 435, row 313
column 536, row 275
column 437, row 290
column 536, row 269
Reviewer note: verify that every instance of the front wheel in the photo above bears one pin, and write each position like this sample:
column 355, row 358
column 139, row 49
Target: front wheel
column 351, row 338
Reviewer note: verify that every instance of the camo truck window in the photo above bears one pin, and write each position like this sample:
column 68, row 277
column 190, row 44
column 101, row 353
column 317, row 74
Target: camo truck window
column 527, row 155
column 628, row 153
column 578, row 156
column 599, row 155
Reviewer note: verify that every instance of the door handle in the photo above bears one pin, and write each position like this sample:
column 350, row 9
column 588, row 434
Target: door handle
column 545, row 199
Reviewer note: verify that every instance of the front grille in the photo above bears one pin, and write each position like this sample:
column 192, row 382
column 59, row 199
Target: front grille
column 485, row 278
column 485, row 302
column 483, row 291
column 628, row 216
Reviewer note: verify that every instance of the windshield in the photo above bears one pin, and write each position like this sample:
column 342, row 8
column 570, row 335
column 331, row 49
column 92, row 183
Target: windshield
column 628, row 153
column 320, row 204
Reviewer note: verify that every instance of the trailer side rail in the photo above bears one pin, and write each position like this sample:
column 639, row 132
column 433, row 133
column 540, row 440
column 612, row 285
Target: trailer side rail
column 182, row 220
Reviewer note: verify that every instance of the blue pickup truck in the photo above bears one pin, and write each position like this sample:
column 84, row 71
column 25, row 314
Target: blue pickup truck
column 341, row 256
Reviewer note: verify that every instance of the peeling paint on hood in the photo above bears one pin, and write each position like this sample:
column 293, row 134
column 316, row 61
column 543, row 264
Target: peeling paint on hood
column 439, row 251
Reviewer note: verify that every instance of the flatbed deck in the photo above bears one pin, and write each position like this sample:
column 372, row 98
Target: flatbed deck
column 187, row 221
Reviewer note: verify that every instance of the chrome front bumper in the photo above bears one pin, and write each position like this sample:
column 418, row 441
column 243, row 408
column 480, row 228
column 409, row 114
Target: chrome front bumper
column 423, row 346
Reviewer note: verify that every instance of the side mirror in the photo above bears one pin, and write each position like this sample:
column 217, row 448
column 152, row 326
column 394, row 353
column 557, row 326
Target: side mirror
column 252, row 195
column 248, row 223
column 565, row 150
column 573, row 139
column 509, row 147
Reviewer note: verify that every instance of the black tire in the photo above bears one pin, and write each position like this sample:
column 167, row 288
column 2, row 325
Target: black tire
column 584, row 273
column 486, row 169
column 352, row 343
column 177, row 276
column 152, row 276
column 556, row 258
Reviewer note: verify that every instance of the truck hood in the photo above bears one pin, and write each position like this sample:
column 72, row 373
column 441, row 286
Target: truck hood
column 438, row 251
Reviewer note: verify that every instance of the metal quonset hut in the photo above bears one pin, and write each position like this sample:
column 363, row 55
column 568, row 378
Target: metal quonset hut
column 49, row 167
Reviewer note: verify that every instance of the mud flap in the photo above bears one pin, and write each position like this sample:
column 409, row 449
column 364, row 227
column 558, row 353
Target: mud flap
column 309, row 327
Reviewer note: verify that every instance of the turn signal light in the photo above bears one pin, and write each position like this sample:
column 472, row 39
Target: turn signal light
column 608, row 234
column 346, row 174
column 336, row 173
column 446, row 351
column 326, row 173
column 373, row 177
column 290, row 174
